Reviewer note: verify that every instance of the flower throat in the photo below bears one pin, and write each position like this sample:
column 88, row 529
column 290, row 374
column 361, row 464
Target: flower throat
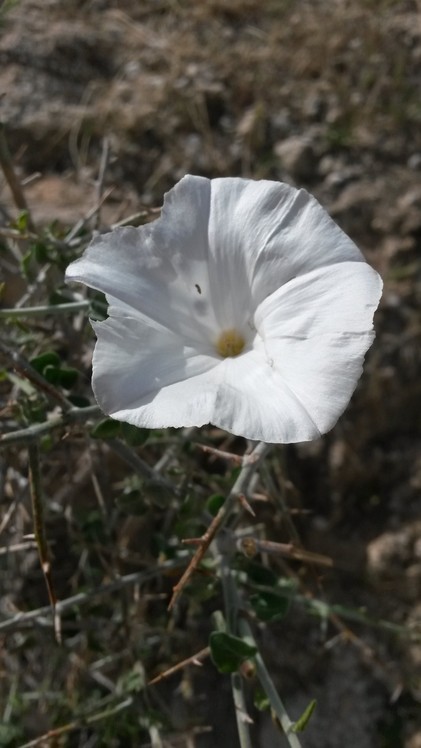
column 230, row 343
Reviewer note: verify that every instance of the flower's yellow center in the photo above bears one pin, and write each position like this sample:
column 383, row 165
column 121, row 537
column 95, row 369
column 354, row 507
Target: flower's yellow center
column 230, row 343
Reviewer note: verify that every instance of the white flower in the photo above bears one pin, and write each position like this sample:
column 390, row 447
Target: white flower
column 243, row 305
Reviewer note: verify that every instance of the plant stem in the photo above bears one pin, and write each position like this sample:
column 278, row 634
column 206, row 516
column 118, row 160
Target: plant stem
column 140, row 466
column 269, row 688
column 79, row 724
column 237, row 625
column 37, row 501
column 250, row 464
column 82, row 598
column 231, row 613
column 195, row 659
column 38, row 430
column 231, row 598
column 326, row 610
column 11, row 178
column 37, row 311
column 241, row 711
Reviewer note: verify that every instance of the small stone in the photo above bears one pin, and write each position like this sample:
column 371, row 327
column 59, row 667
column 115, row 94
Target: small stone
column 297, row 156
column 414, row 161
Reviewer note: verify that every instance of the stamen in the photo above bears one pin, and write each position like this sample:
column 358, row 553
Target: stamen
column 230, row 343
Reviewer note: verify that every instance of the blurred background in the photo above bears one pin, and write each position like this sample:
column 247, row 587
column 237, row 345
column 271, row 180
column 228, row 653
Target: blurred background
column 111, row 103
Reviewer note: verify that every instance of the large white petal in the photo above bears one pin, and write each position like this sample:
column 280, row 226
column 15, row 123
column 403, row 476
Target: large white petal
column 254, row 401
column 320, row 372
column 262, row 234
column 153, row 389
column 284, row 390
column 335, row 299
column 220, row 247
column 161, row 269
column 316, row 330
column 147, row 375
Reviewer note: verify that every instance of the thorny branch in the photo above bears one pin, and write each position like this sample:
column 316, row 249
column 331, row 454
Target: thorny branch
column 78, row 724
column 37, row 430
column 195, row 659
column 37, row 501
column 42, row 615
column 250, row 464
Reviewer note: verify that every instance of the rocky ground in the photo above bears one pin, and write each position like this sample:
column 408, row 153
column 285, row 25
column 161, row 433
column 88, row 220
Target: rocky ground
column 323, row 94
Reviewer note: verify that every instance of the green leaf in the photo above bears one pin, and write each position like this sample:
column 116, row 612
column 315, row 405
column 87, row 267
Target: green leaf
column 261, row 701
column 269, row 606
column 21, row 222
column 49, row 365
column 40, row 253
column 34, row 411
column 134, row 436
column 108, row 428
column 49, row 358
column 228, row 652
column 26, row 263
column 214, row 503
column 52, row 374
column 258, row 573
column 46, row 443
column 92, row 525
column 133, row 681
column 301, row 723
column 68, row 377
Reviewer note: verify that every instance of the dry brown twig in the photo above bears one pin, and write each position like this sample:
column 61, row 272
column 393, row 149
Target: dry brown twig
column 195, row 659
column 11, row 178
column 250, row 463
column 230, row 456
column 252, row 546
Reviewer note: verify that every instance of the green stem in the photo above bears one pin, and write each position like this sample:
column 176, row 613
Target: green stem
column 269, row 688
column 82, row 598
column 237, row 625
column 37, row 311
column 240, row 711
column 79, row 724
column 36, row 431
column 231, row 598
column 231, row 615
column 37, row 500
column 324, row 610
